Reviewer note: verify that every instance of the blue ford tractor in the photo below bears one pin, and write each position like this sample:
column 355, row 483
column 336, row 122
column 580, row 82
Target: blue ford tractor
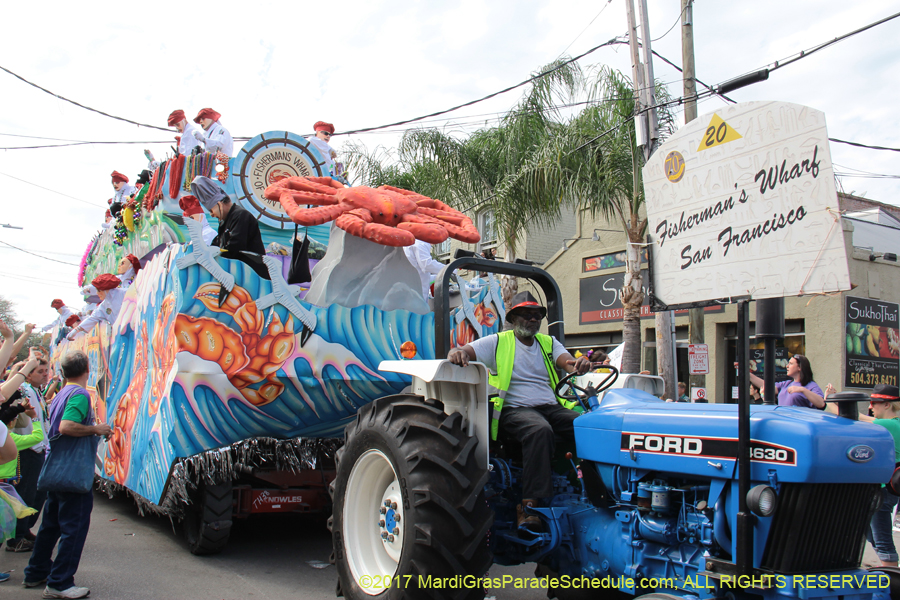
column 654, row 505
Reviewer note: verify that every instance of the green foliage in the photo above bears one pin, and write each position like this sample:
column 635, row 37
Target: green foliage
column 484, row 169
column 537, row 160
column 9, row 316
column 35, row 339
column 8, row 313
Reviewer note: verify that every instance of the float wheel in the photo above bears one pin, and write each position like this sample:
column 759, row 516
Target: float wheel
column 207, row 525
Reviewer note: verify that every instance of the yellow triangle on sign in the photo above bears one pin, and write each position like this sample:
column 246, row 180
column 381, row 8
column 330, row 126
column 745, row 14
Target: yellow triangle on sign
column 719, row 132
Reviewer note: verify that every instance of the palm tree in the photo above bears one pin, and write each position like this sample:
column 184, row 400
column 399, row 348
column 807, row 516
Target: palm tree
column 535, row 162
column 483, row 170
column 593, row 163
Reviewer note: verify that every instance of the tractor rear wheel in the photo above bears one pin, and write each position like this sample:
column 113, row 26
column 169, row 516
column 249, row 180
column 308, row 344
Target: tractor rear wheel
column 409, row 506
column 207, row 524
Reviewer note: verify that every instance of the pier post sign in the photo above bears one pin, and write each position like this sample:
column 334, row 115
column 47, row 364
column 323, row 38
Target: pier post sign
column 741, row 202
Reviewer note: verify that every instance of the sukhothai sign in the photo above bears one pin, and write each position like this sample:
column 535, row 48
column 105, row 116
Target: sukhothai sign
column 742, row 203
column 872, row 342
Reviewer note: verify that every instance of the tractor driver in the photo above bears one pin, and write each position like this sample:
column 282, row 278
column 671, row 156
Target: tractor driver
column 524, row 405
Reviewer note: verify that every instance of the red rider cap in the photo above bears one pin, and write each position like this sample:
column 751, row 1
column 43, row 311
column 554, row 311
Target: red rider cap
column 116, row 176
column 525, row 300
column 135, row 263
column 207, row 113
column 57, row 303
column 177, row 116
column 323, row 126
column 190, row 205
column 107, row 282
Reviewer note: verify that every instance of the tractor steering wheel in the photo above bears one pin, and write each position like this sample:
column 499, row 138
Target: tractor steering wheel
column 607, row 383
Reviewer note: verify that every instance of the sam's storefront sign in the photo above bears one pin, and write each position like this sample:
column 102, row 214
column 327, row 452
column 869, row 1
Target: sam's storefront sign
column 599, row 299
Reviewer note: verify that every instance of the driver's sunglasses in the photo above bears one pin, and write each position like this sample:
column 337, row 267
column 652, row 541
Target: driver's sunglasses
column 325, row 133
column 531, row 315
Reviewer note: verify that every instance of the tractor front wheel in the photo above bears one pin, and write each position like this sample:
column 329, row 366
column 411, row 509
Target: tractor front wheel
column 409, row 507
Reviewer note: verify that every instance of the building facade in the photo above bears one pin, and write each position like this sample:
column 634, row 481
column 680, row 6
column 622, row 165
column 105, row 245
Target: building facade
column 591, row 269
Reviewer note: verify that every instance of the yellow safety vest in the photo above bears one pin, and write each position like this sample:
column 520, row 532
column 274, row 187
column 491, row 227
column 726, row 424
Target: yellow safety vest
column 505, row 357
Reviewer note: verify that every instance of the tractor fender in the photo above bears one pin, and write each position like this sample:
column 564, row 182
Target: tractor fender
column 460, row 389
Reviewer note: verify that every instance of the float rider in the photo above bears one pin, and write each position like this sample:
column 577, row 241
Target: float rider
column 523, row 376
column 111, row 297
column 64, row 313
column 321, row 140
column 238, row 229
column 122, row 188
column 187, row 141
column 213, row 135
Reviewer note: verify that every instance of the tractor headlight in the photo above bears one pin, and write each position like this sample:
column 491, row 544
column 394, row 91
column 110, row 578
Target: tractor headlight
column 762, row 500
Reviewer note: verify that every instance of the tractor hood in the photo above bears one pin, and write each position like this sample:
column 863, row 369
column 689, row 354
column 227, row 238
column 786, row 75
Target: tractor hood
column 634, row 429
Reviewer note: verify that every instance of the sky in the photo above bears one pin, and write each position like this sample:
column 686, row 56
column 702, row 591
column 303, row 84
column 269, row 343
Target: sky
column 286, row 65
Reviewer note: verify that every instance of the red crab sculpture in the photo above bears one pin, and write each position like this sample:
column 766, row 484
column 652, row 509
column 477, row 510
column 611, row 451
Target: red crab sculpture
column 385, row 215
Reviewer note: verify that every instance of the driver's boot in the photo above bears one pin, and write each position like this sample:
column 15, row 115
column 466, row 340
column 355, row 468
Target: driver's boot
column 523, row 519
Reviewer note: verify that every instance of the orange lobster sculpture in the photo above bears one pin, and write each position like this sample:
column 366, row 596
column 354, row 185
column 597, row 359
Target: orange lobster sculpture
column 385, row 215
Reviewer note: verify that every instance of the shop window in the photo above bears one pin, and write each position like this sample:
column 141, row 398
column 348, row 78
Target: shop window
column 794, row 342
column 442, row 250
column 487, row 227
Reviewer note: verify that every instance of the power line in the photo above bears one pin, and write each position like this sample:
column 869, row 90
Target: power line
column 38, row 255
column 804, row 53
column 489, row 96
column 673, row 24
column 48, row 252
column 726, row 98
column 35, row 137
column 608, row 2
column 680, row 70
column 19, row 77
column 28, row 281
column 78, row 144
column 858, row 145
column 54, row 191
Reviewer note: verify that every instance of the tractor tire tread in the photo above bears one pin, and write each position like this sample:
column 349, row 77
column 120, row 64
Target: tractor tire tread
column 434, row 458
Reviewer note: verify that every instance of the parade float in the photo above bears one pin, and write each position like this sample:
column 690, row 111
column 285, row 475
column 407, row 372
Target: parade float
column 226, row 391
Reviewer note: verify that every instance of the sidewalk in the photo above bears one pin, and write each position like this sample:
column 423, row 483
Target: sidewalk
column 870, row 559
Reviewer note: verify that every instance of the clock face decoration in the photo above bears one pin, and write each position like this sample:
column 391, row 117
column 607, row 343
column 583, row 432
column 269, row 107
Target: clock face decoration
column 266, row 159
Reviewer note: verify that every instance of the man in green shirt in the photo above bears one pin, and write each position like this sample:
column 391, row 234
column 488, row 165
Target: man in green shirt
column 67, row 515
column 885, row 405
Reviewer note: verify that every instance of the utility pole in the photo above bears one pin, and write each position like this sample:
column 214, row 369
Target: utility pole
column 697, row 321
column 647, row 131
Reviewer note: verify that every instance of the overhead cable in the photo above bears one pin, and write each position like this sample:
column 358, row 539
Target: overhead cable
column 608, row 2
column 38, row 255
column 673, row 24
column 503, row 91
column 804, row 53
column 105, row 114
column 858, row 145
column 54, row 191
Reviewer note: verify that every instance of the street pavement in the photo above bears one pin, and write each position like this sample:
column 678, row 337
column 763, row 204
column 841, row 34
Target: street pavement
column 129, row 557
